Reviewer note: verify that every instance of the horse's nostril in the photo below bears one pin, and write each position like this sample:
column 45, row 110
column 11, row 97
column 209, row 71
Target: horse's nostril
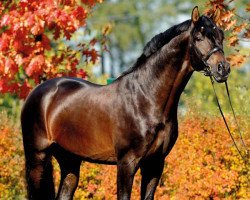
column 220, row 67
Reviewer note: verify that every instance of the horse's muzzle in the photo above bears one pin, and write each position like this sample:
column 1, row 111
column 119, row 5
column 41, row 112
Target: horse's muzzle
column 221, row 72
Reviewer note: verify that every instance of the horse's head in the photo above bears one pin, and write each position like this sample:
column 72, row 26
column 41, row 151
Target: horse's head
column 206, row 47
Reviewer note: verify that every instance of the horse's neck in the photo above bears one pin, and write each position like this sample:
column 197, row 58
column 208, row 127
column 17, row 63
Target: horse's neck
column 175, row 75
column 163, row 78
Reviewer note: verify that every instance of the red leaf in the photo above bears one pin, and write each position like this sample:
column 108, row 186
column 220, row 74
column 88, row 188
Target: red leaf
column 82, row 74
column 35, row 65
column 79, row 13
column 5, row 20
column 30, row 20
column 2, row 86
column 38, row 27
column 46, row 42
column 25, row 89
column 91, row 2
column 10, row 67
column 2, row 65
column 4, row 42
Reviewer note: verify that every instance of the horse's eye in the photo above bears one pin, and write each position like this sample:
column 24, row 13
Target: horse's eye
column 199, row 38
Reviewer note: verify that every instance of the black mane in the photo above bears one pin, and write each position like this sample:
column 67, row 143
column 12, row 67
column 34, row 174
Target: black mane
column 157, row 42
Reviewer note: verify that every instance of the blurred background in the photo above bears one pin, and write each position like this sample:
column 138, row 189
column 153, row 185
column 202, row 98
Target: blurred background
column 105, row 39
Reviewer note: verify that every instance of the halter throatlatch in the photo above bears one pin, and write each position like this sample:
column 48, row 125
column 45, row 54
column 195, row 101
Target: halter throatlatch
column 207, row 72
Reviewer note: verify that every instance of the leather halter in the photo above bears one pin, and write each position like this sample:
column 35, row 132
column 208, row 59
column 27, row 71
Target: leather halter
column 207, row 70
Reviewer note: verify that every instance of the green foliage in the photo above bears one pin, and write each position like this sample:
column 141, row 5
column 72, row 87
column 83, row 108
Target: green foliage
column 199, row 94
column 92, row 77
column 12, row 105
column 133, row 26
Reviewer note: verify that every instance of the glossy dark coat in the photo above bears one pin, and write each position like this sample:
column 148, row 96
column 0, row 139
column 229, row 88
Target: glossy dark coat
column 131, row 123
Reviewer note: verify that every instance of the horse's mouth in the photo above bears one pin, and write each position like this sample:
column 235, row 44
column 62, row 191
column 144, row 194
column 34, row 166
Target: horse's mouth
column 217, row 78
column 221, row 79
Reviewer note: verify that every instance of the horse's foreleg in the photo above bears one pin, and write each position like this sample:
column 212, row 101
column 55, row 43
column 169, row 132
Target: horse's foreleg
column 70, row 170
column 151, row 171
column 125, row 176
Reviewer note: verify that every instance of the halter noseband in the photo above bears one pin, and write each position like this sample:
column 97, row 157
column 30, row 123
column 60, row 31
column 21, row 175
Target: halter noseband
column 207, row 70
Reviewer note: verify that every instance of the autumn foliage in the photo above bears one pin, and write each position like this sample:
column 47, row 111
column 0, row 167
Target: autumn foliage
column 235, row 26
column 203, row 164
column 27, row 30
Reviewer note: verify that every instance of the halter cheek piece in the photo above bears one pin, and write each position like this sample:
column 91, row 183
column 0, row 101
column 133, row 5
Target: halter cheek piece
column 207, row 70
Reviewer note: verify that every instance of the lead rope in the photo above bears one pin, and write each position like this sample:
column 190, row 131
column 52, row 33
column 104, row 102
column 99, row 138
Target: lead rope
column 238, row 127
column 217, row 100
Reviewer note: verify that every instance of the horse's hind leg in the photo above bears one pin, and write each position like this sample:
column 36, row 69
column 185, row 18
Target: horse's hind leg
column 39, row 175
column 70, row 168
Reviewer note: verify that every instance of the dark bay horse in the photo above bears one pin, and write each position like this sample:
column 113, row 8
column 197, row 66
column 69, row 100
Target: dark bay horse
column 131, row 123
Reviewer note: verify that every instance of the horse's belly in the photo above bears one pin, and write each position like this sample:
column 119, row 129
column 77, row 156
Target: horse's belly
column 91, row 143
column 89, row 148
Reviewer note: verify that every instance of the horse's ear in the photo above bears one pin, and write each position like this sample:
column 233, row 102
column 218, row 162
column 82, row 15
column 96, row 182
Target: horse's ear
column 195, row 14
column 216, row 15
